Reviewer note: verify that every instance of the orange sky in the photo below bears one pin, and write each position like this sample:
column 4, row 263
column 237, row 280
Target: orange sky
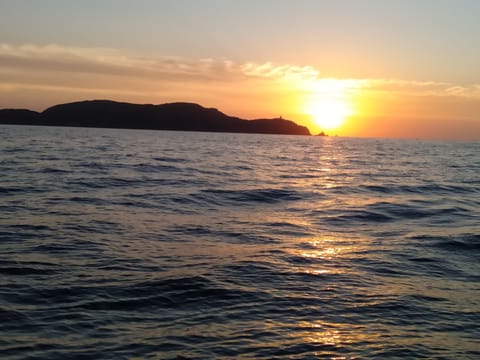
column 379, row 69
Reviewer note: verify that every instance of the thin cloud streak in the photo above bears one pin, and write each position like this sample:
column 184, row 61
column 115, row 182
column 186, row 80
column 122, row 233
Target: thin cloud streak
column 424, row 88
column 54, row 66
column 112, row 62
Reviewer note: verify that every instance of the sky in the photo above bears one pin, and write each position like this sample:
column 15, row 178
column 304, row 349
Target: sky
column 368, row 68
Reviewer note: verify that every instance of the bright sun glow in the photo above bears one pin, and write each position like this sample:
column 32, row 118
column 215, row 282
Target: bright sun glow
column 329, row 114
column 330, row 101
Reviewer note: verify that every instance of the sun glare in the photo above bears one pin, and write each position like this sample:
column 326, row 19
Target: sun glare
column 329, row 114
column 330, row 102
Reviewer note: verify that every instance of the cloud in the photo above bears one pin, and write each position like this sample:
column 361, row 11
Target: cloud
column 120, row 75
column 55, row 58
column 423, row 88
column 110, row 62
column 113, row 73
column 272, row 71
column 472, row 91
column 66, row 89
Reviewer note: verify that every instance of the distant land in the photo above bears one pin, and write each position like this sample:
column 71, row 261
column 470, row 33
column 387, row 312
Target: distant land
column 173, row 116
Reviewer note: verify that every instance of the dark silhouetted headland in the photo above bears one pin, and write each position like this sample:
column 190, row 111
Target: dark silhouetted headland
column 19, row 117
column 173, row 116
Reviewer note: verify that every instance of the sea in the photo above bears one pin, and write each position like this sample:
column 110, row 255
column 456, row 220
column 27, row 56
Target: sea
column 137, row 244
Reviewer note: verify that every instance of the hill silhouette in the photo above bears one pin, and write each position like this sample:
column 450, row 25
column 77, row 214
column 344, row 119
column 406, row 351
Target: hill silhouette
column 172, row 116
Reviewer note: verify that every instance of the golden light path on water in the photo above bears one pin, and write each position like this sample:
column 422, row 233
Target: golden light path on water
column 200, row 245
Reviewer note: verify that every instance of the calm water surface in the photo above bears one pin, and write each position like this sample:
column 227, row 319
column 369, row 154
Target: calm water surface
column 120, row 244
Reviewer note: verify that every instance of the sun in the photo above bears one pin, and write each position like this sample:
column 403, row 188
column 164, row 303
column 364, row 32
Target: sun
column 329, row 114
column 329, row 102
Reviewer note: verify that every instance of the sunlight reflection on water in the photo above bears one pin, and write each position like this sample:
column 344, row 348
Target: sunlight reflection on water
column 140, row 244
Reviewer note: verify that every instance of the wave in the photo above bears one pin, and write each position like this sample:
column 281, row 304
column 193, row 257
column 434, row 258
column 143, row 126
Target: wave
column 262, row 195
column 402, row 189
column 461, row 242
column 132, row 244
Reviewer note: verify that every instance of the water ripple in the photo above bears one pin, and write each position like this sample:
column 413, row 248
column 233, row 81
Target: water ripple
column 136, row 244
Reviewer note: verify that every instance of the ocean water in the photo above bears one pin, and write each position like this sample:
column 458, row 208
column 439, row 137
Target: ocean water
column 118, row 244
